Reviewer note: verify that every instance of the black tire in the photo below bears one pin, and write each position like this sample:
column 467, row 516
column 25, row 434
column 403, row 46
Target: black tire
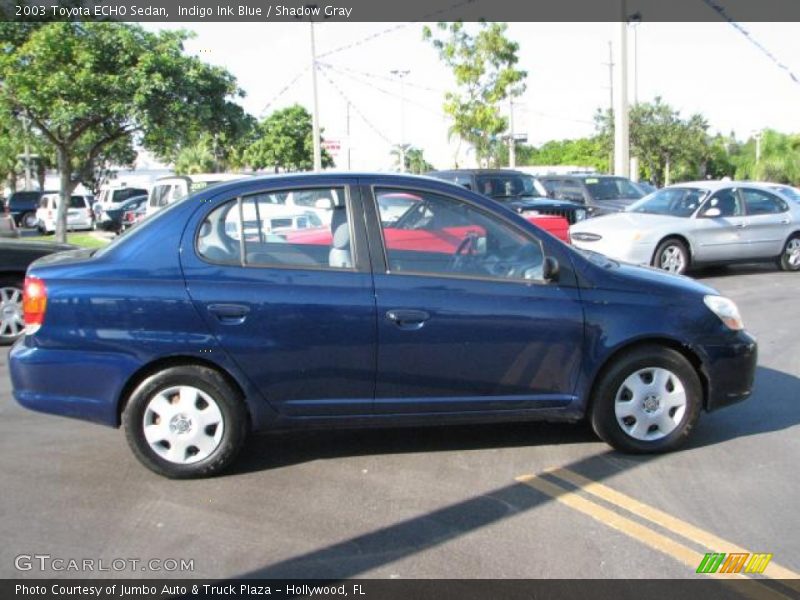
column 8, row 319
column 789, row 260
column 28, row 220
column 610, row 383
column 678, row 249
column 230, row 404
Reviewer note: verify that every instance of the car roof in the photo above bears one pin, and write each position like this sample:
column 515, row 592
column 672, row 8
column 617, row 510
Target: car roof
column 481, row 172
column 203, row 177
column 715, row 184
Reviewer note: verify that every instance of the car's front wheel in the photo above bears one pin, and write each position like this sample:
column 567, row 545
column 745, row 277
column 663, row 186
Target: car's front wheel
column 647, row 401
column 12, row 320
column 185, row 422
column 672, row 255
column 29, row 220
column 790, row 257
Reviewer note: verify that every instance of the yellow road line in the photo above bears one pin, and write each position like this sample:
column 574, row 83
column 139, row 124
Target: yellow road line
column 659, row 517
column 641, row 533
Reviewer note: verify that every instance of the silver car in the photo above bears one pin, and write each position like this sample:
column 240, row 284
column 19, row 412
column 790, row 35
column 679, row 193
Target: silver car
column 705, row 222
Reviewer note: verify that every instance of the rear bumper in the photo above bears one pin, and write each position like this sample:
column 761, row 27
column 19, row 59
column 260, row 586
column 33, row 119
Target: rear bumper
column 69, row 383
column 730, row 370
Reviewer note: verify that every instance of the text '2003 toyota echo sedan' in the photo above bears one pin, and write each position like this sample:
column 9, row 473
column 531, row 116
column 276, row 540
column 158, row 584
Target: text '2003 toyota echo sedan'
column 222, row 315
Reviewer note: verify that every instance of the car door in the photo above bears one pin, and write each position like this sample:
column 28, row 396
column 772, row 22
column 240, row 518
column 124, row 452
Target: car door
column 465, row 319
column 768, row 223
column 719, row 230
column 295, row 310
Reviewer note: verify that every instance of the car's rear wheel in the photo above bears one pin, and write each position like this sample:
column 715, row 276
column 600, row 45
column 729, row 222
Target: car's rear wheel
column 647, row 401
column 185, row 422
column 12, row 320
column 29, row 220
column 672, row 256
column 790, row 257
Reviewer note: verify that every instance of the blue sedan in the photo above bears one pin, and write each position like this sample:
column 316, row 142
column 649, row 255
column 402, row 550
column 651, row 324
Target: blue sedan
column 227, row 313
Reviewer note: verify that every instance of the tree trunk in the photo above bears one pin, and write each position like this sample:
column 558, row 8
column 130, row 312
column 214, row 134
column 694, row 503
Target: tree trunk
column 666, row 172
column 41, row 174
column 12, row 182
column 66, row 188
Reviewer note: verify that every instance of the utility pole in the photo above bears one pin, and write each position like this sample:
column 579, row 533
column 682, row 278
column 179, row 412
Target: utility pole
column 512, row 144
column 622, row 163
column 610, row 65
column 400, row 74
column 757, row 137
column 315, row 115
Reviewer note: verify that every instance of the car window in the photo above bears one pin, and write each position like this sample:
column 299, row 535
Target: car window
column 674, row 202
column 77, row 202
column 439, row 235
column 506, row 185
column 758, row 202
column 612, row 188
column 728, row 203
column 272, row 233
column 159, row 195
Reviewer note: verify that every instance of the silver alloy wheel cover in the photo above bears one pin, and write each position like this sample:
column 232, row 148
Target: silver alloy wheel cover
column 30, row 221
column 672, row 259
column 650, row 404
column 183, row 424
column 12, row 318
column 793, row 252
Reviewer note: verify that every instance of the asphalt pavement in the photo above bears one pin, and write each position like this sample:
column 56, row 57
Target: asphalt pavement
column 500, row 501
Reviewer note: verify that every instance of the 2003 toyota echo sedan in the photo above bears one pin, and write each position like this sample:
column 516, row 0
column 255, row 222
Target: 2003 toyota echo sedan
column 216, row 317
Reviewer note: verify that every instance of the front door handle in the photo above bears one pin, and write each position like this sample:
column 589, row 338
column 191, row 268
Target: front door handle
column 230, row 314
column 407, row 319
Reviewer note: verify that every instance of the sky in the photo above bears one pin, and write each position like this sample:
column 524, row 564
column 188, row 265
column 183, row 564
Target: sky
column 710, row 68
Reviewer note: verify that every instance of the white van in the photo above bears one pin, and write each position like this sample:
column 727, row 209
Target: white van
column 167, row 190
column 79, row 212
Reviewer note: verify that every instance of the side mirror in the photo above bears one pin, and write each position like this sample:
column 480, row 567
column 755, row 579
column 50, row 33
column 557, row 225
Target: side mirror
column 550, row 269
column 324, row 204
column 712, row 212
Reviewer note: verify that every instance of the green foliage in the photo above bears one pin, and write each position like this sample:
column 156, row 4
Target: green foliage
column 665, row 143
column 483, row 65
column 196, row 158
column 92, row 89
column 779, row 159
column 285, row 141
column 414, row 159
column 582, row 152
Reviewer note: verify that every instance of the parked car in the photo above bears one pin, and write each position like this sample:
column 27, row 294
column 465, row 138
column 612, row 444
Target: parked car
column 646, row 187
column 600, row 194
column 110, row 198
column 196, row 334
column 699, row 223
column 15, row 257
column 79, row 212
column 132, row 216
column 80, row 215
column 520, row 191
column 113, row 216
column 167, row 190
column 23, row 206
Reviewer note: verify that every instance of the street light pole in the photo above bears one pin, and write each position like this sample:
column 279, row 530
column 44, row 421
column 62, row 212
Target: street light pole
column 400, row 74
column 315, row 115
column 621, row 136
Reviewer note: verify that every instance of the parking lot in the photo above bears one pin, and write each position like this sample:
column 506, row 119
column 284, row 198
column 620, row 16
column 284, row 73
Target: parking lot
column 458, row 502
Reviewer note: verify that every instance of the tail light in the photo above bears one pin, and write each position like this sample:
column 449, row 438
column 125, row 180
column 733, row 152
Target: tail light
column 34, row 303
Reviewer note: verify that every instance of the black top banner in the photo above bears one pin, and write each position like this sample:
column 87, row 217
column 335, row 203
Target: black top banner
column 400, row 10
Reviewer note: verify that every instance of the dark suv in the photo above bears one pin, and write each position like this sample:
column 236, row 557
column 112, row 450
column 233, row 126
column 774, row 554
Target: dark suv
column 601, row 194
column 516, row 189
column 23, row 205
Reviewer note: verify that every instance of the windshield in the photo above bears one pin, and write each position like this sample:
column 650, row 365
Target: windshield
column 673, row 202
column 507, row 185
column 612, row 188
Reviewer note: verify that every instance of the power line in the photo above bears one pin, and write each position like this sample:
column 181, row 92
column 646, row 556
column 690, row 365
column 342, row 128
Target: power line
column 283, row 90
column 392, row 29
column 324, row 72
column 438, row 113
column 719, row 9
column 382, row 77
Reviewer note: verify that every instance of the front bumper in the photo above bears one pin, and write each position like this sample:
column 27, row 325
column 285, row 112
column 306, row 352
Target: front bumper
column 633, row 253
column 730, row 370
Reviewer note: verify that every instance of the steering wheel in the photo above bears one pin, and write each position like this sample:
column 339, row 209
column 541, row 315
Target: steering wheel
column 466, row 250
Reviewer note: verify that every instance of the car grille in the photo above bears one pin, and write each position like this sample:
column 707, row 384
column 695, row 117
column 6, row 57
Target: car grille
column 567, row 213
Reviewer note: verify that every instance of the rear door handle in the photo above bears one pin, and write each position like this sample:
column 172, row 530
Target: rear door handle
column 407, row 319
column 231, row 314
